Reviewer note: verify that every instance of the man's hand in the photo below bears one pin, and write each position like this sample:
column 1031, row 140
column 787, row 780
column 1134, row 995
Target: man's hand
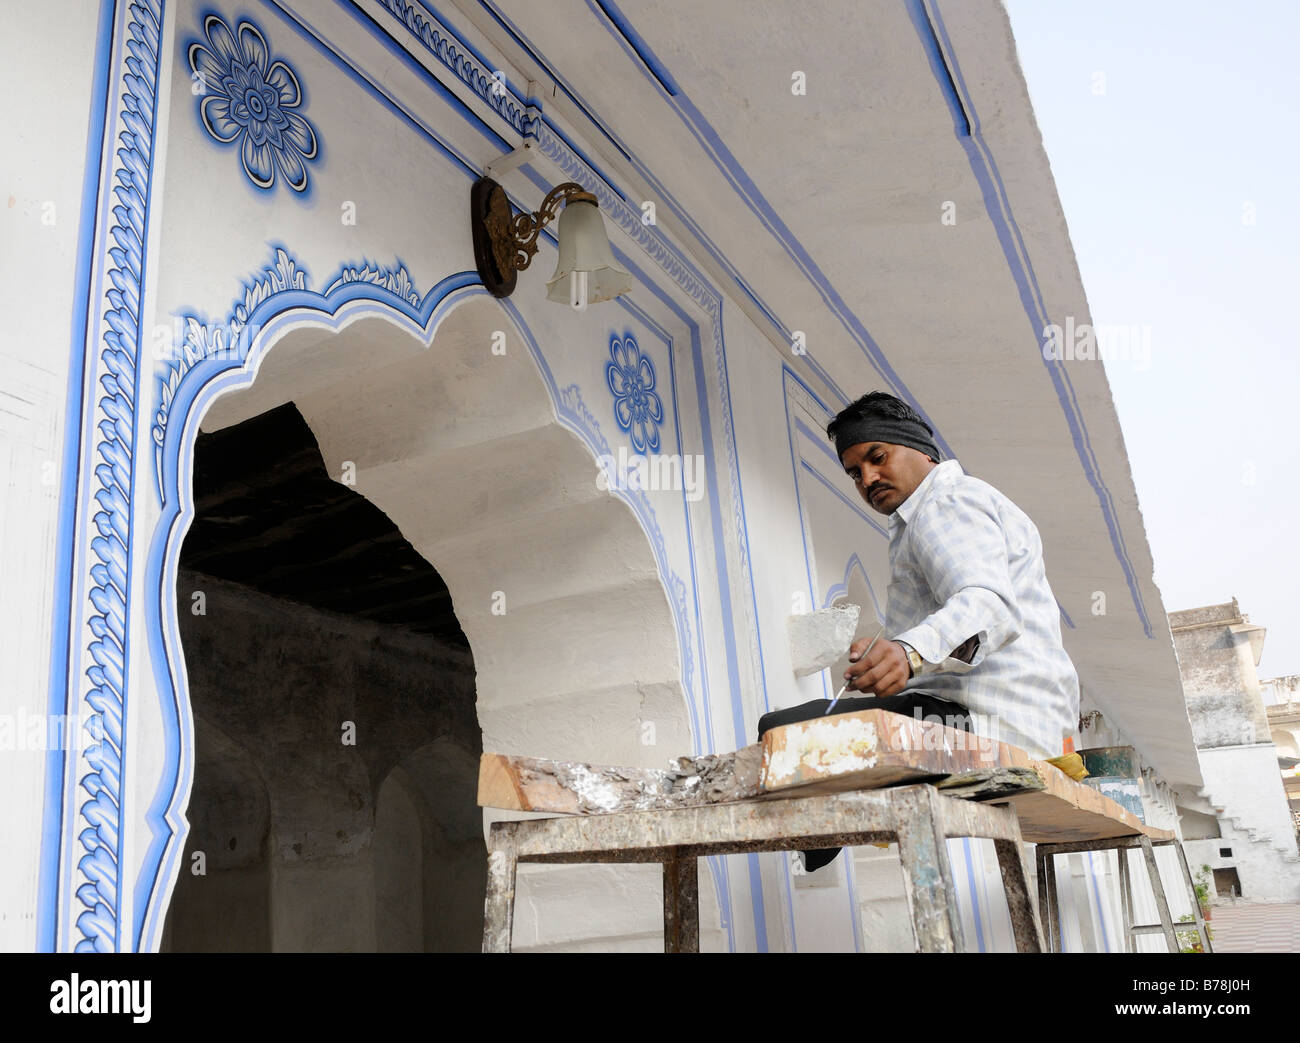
column 883, row 671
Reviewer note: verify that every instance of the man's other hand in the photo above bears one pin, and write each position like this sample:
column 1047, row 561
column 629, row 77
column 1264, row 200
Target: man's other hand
column 882, row 671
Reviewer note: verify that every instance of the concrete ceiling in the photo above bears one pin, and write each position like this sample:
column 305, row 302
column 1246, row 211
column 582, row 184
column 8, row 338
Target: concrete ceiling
column 268, row 516
column 821, row 212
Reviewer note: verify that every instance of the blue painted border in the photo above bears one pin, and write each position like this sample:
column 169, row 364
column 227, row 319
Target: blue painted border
column 60, row 651
column 929, row 26
column 717, row 864
column 740, row 734
column 970, row 883
column 841, row 589
column 99, row 547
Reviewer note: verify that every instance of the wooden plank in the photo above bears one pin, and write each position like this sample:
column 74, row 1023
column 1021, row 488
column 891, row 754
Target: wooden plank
column 873, row 748
column 1070, row 811
column 1064, row 813
column 835, row 820
column 870, row 749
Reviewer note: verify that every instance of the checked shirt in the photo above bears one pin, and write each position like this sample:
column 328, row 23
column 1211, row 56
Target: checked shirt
column 964, row 560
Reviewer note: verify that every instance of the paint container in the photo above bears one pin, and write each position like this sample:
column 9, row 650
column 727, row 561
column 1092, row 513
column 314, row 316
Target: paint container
column 1115, row 772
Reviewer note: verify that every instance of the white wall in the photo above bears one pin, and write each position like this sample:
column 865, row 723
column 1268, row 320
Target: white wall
column 213, row 238
column 214, row 233
column 1243, row 785
column 47, row 59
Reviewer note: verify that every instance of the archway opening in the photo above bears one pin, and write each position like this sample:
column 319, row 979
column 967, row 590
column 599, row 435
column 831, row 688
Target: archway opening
column 465, row 445
column 322, row 651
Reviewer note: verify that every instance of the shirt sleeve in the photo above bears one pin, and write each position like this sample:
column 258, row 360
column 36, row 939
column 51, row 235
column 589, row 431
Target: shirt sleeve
column 959, row 546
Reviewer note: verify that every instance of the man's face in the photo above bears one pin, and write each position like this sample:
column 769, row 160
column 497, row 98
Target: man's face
column 885, row 474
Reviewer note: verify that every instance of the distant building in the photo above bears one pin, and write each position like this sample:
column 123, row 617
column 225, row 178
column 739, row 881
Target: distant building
column 1282, row 700
column 1238, row 823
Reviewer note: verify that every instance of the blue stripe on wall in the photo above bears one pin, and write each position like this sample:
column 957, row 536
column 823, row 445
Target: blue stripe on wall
column 51, row 834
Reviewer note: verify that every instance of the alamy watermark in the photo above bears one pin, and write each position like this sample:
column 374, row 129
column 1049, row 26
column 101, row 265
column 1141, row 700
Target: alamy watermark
column 981, row 738
column 209, row 340
column 1088, row 343
column 38, row 731
column 657, row 472
column 75, row 995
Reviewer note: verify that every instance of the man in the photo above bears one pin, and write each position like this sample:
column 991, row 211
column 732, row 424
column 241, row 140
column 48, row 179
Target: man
column 971, row 625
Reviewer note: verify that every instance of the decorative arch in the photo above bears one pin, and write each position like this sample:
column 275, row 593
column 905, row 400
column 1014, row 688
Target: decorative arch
column 646, row 671
column 110, row 837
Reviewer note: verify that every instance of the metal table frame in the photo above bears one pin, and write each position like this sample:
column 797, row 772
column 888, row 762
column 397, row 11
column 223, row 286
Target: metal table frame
column 1045, row 855
column 918, row 817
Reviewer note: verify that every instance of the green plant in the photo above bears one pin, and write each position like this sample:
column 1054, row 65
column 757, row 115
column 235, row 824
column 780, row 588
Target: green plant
column 1195, row 944
column 1201, row 885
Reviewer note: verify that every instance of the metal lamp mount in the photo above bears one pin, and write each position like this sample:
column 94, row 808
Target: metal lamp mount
column 505, row 242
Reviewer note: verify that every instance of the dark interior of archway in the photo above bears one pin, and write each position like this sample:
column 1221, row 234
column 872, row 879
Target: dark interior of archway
column 336, row 740
column 267, row 515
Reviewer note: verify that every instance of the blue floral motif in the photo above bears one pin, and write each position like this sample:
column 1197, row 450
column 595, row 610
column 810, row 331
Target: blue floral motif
column 250, row 99
column 631, row 378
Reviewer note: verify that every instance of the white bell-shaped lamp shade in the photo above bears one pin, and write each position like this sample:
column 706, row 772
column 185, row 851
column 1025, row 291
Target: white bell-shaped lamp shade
column 586, row 273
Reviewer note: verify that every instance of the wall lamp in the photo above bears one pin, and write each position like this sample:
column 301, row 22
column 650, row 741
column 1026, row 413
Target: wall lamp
column 505, row 242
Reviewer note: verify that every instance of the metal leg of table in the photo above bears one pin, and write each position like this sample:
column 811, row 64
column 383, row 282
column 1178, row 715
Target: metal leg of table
column 499, row 905
column 1201, row 926
column 919, row 817
column 681, row 903
column 927, row 874
column 1047, row 910
column 1158, row 889
column 1015, row 881
column 1125, row 898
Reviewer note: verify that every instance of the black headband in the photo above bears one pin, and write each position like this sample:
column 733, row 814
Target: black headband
column 895, row 431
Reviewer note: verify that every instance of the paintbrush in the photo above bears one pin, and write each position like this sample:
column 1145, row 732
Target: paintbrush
column 859, row 659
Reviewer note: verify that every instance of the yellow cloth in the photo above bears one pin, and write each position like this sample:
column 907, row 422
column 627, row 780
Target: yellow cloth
column 1071, row 764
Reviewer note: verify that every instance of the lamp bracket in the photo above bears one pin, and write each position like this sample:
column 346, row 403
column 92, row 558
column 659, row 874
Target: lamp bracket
column 505, row 242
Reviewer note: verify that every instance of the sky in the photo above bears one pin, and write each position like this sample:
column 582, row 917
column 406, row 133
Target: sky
column 1171, row 128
